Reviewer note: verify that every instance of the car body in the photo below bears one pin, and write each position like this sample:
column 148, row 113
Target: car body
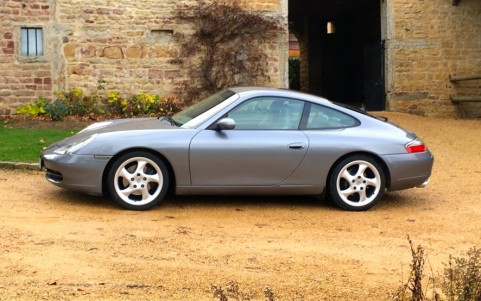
column 243, row 140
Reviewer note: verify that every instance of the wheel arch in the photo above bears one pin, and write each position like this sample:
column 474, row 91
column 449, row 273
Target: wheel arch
column 378, row 159
column 151, row 151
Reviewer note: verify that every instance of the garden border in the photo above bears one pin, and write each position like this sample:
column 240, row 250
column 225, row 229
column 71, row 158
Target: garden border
column 18, row 165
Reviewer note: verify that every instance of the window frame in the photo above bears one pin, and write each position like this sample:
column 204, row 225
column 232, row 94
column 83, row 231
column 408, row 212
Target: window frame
column 307, row 111
column 24, row 40
column 275, row 97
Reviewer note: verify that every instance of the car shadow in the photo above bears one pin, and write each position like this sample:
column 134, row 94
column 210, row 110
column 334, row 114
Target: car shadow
column 78, row 199
column 238, row 201
column 73, row 198
column 389, row 201
column 402, row 199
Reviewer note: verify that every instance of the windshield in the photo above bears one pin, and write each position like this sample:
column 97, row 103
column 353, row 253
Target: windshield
column 201, row 107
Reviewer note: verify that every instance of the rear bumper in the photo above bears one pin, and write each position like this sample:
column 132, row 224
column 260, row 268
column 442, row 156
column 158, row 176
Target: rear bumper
column 409, row 170
column 424, row 184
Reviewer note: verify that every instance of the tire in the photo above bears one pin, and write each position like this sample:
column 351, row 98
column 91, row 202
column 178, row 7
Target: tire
column 357, row 183
column 137, row 180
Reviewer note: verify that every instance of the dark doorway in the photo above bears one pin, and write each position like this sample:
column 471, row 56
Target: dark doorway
column 374, row 90
column 336, row 40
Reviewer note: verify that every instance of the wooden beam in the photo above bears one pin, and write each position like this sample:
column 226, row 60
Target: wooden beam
column 458, row 78
column 474, row 98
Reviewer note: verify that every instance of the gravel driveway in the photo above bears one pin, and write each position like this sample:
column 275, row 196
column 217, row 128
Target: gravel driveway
column 56, row 244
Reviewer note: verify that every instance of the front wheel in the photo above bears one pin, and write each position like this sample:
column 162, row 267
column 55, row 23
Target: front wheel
column 357, row 183
column 138, row 180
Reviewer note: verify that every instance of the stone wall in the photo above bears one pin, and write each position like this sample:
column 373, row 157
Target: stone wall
column 22, row 79
column 126, row 44
column 426, row 42
column 129, row 45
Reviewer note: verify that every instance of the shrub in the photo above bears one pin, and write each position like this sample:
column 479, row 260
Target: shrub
column 56, row 109
column 412, row 290
column 33, row 109
column 461, row 280
column 232, row 291
column 462, row 277
column 73, row 100
column 78, row 104
column 115, row 101
column 143, row 104
column 168, row 105
column 75, row 103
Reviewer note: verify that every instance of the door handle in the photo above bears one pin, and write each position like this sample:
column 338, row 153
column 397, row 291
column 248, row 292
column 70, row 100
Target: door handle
column 297, row 145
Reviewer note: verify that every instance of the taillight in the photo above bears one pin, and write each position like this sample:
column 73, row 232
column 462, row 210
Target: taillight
column 416, row 146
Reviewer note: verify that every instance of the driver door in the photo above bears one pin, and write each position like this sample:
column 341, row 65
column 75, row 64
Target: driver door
column 263, row 150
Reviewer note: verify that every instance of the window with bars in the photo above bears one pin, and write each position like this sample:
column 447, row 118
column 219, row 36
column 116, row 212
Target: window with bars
column 31, row 41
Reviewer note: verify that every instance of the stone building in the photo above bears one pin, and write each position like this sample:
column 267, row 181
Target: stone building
column 381, row 54
column 390, row 54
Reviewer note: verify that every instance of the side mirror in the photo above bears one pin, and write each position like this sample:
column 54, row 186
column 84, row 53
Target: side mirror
column 226, row 124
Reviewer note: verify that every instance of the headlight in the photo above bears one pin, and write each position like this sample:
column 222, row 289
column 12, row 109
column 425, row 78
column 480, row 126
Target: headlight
column 73, row 147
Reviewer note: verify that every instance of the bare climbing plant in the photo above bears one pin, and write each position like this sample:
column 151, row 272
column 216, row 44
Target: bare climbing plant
column 225, row 45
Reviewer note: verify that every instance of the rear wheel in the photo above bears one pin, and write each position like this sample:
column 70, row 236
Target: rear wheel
column 138, row 180
column 357, row 183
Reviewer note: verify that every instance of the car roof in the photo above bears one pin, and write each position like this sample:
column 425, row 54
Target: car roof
column 252, row 91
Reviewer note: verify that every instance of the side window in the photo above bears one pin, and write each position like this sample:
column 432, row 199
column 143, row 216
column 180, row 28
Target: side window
column 321, row 117
column 31, row 41
column 268, row 113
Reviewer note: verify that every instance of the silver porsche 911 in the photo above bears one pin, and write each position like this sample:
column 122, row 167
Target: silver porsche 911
column 253, row 141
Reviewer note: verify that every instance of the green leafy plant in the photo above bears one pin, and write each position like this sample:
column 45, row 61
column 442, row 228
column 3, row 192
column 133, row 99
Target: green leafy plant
column 168, row 105
column 75, row 103
column 116, row 102
column 33, row 109
column 141, row 104
column 56, row 109
column 79, row 104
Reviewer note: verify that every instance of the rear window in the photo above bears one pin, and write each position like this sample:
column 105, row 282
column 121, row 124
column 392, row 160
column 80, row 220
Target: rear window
column 321, row 117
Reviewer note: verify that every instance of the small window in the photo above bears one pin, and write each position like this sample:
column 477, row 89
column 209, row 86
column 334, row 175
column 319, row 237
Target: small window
column 331, row 28
column 31, row 41
column 321, row 117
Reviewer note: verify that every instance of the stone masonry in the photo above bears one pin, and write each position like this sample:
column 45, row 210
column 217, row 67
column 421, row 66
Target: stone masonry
column 127, row 44
column 426, row 42
column 22, row 79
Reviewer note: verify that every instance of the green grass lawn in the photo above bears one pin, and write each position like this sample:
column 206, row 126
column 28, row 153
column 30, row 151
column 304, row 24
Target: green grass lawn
column 25, row 145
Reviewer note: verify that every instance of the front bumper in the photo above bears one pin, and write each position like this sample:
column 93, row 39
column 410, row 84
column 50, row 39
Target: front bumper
column 409, row 170
column 82, row 173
